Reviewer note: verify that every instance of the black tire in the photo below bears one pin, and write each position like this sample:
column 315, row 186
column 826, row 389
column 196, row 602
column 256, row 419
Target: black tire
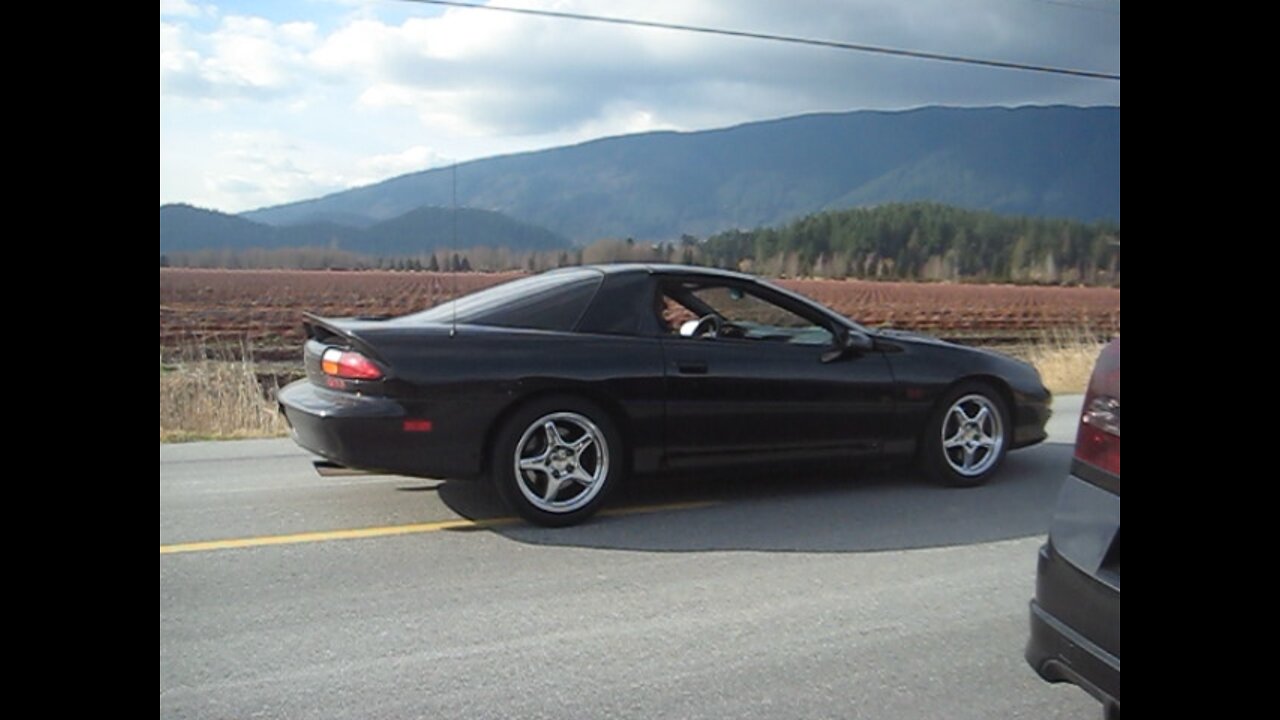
column 967, row 437
column 561, row 479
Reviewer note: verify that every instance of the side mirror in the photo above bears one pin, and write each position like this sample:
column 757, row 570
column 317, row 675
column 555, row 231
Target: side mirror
column 848, row 342
column 688, row 328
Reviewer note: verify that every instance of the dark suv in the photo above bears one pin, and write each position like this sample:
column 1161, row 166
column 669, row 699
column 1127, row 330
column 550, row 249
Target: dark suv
column 1075, row 616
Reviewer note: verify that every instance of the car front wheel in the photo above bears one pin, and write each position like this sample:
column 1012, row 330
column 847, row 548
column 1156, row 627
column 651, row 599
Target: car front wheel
column 967, row 437
column 556, row 460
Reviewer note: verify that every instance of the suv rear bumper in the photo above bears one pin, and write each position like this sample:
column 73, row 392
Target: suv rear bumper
column 1061, row 653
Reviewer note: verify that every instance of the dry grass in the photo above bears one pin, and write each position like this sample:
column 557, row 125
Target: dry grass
column 1064, row 358
column 202, row 399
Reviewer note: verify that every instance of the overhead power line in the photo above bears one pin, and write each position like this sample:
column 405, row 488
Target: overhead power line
column 855, row 47
column 1083, row 6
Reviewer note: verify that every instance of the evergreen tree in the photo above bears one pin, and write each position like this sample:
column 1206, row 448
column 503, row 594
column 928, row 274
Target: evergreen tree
column 926, row 241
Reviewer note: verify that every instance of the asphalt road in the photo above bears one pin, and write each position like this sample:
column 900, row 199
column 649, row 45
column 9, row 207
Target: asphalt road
column 803, row 595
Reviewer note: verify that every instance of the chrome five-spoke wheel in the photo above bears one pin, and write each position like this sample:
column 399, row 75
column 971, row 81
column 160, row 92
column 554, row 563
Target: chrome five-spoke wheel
column 972, row 435
column 556, row 459
column 561, row 462
column 967, row 436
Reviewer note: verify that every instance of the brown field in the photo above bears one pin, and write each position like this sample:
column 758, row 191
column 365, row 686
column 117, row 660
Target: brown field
column 262, row 309
column 992, row 312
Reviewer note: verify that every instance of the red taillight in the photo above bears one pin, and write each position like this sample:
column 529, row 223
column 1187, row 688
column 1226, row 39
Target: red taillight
column 347, row 364
column 1098, row 440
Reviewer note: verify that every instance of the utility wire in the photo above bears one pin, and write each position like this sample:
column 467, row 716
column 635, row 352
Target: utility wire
column 856, row 47
column 1082, row 6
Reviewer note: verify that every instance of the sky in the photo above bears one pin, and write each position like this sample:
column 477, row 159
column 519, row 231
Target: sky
column 268, row 102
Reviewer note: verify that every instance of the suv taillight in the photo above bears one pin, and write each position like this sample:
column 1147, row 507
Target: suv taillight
column 1098, row 440
column 349, row 365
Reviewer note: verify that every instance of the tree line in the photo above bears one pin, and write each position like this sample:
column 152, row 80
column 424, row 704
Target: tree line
column 902, row 241
column 925, row 241
column 477, row 259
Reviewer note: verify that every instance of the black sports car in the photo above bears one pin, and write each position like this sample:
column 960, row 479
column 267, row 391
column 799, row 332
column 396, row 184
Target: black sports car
column 559, row 385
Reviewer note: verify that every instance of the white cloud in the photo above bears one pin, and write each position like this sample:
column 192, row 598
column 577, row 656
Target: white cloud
column 248, row 169
column 515, row 74
column 262, row 168
column 245, row 57
column 177, row 61
column 378, row 167
column 179, row 7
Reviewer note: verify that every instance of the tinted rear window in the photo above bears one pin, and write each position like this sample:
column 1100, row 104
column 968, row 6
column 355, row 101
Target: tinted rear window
column 550, row 301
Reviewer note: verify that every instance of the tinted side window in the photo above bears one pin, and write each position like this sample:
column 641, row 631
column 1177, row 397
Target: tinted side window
column 556, row 308
column 550, row 301
column 621, row 306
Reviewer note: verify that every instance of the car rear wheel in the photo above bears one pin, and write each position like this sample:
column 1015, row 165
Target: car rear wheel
column 556, row 460
column 967, row 437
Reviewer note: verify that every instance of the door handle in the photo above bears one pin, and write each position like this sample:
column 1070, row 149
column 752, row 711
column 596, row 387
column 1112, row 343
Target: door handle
column 695, row 367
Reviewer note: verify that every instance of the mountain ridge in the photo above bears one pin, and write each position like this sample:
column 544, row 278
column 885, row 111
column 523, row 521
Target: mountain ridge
column 185, row 228
column 1045, row 161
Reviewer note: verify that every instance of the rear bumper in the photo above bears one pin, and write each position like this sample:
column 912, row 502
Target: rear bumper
column 368, row 433
column 1075, row 629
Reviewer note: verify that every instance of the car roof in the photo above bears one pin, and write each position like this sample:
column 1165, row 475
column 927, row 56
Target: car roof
column 669, row 269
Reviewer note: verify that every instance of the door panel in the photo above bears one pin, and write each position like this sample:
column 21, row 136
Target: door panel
column 744, row 400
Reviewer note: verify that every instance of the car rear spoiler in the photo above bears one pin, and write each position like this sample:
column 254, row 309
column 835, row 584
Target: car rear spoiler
column 335, row 330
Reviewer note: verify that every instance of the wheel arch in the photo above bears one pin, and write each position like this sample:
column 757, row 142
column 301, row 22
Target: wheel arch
column 994, row 381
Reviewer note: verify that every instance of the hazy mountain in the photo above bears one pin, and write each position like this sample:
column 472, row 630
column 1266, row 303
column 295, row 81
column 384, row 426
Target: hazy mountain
column 184, row 228
column 1040, row 161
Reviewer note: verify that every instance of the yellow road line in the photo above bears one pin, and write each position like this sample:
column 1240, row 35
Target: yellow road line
column 390, row 530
